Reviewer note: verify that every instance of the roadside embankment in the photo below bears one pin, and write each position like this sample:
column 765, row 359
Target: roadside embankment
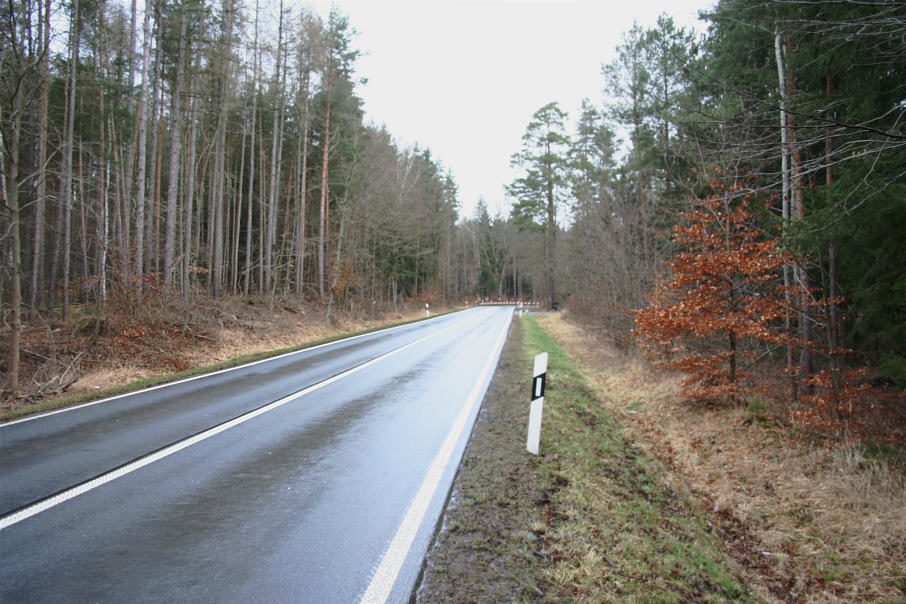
column 638, row 496
column 586, row 520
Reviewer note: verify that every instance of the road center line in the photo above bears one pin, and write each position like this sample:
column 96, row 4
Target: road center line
column 140, row 462
column 387, row 572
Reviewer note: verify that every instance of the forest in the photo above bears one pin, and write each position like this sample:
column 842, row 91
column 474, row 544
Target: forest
column 190, row 150
column 734, row 205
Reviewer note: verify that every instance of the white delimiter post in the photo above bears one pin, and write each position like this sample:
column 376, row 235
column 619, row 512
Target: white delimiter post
column 534, row 423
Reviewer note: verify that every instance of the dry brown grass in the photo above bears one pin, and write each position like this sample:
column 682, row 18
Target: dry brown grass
column 827, row 522
column 91, row 352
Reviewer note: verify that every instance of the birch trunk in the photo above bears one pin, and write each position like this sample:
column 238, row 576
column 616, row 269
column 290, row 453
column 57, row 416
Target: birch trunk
column 797, row 209
column 786, row 188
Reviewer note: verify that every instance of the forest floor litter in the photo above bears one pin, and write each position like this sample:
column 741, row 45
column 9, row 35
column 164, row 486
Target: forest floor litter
column 94, row 354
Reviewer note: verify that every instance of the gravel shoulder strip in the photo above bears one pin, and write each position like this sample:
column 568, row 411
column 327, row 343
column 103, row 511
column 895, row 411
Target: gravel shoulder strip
column 482, row 551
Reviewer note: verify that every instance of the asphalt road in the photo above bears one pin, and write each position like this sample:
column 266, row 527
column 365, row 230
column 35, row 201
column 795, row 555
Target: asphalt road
column 318, row 476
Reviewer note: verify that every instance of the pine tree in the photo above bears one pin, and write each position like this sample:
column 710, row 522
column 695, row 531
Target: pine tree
column 540, row 192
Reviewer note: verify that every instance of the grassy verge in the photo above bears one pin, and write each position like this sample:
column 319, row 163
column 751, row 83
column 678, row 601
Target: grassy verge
column 59, row 402
column 587, row 521
column 810, row 520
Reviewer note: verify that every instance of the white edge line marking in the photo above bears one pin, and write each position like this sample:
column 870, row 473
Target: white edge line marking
column 141, row 462
column 202, row 375
column 385, row 576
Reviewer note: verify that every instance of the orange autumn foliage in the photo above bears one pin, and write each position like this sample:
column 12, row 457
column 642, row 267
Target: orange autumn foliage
column 723, row 296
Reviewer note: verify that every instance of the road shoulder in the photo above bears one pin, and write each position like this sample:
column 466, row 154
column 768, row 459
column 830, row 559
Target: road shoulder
column 587, row 520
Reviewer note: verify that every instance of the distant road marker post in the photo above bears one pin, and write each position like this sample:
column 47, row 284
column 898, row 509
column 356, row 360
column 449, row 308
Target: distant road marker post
column 539, row 376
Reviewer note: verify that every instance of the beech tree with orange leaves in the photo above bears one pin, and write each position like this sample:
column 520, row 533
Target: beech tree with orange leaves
column 723, row 296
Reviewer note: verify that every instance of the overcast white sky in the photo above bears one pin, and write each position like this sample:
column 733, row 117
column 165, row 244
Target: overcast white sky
column 463, row 77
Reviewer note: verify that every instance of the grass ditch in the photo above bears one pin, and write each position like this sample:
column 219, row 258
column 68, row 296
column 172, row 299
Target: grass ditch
column 588, row 520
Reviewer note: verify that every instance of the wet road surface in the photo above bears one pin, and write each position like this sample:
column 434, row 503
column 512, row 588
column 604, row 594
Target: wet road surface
column 317, row 476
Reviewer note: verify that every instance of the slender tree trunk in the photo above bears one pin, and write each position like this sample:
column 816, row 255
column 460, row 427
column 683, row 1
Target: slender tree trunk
column 83, row 221
column 732, row 339
column 175, row 152
column 57, row 226
column 124, row 204
column 516, row 293
column 152, row 214
column 210, row 174
column 250, row 209
column 103, row 210
column 125, row 174
column 215, row 216
column 228, row 211
column 336, row 264
column 133, row 23
column 253, row 131
column 276, row 148
column 140, row 184
column 190, row 198
column 219, row 184
column 786, row 188
column 103, row 228
column 237, row 222
column 550, row 237
column 417, row 258
column 12, row 199
column 322, row 222
column 285, row 244
column 154, row 237
column 831, row 258
column 262, row 209
column 251, row 188
column 37, row 273
column 126, row 258
column 119, row 201
column 285, row 233
column 798, row 213
column 67, row 157
column 301, row 196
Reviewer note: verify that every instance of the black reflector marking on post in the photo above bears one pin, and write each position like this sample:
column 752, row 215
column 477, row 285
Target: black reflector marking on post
column 538, row 386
